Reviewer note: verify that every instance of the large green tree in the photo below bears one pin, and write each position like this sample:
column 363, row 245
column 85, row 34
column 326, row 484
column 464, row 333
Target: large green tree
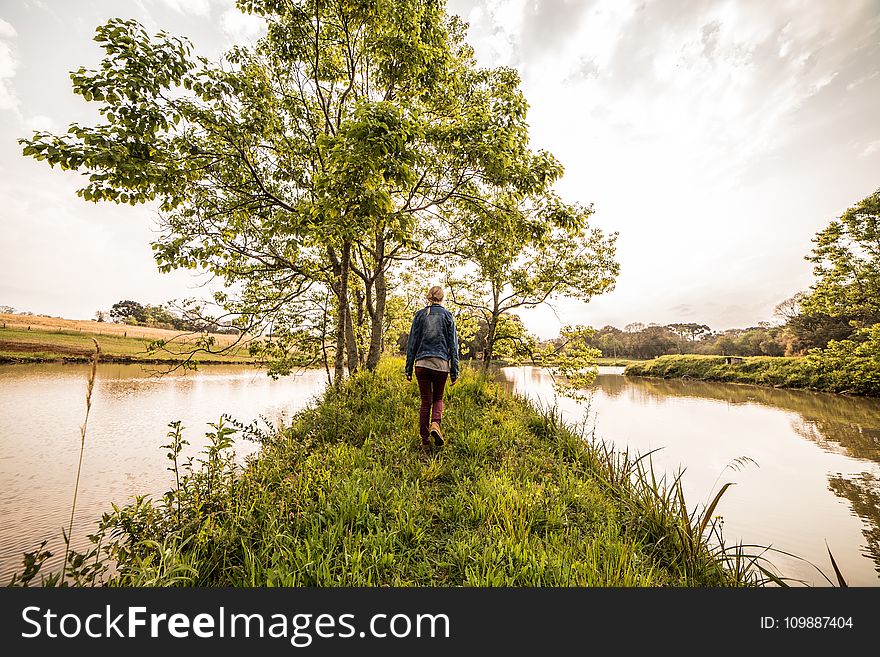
column 315, row 155
column 846, row 294
column 847, row 266
column 521, row 252
column 690, row 330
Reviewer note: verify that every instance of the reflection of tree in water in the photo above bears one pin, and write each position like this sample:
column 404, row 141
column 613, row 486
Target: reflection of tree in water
column 864, row 494
column 852, row 437
column 840, row 424
column 612, row 385
column 850, row 425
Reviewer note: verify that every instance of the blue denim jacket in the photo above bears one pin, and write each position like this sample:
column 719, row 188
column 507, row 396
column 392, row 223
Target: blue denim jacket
column 433, row 334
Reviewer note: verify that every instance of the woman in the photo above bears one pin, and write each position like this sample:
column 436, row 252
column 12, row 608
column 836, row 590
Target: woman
column 433, row 349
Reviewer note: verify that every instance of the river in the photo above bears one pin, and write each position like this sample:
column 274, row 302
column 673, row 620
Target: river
column 806, row 465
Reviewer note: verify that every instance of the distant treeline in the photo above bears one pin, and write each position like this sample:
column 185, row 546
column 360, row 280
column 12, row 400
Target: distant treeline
column 795, row 337
column 137, row 314
column 643, row 341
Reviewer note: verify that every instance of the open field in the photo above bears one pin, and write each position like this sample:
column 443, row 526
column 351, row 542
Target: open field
column 610, row 361
column 56, row 324
column 31, row 338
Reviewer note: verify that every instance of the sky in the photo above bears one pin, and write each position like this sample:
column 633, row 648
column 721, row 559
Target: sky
column 715, row 137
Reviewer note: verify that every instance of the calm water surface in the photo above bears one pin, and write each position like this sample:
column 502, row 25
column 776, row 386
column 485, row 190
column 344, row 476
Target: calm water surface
column 814, row 469
column 41, row 410
column 813, row 473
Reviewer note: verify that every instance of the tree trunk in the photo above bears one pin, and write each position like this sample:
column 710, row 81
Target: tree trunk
column 490, row 342
column 362, row 349
column 325, row 309
column 342, row 310
column 378, row 333
column 350, row 342
column 490, row 331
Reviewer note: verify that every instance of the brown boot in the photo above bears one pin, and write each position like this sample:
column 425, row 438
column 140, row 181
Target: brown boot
column 436, row 434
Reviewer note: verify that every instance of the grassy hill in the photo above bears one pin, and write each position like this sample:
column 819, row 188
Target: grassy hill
column 33, row 338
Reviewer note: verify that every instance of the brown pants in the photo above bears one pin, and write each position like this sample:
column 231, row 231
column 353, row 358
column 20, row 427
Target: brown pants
column 431, row 385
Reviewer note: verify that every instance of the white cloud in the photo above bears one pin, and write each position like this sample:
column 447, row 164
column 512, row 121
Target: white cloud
column 871, row 148
column 717, row 82
column 42, row 123
column 715, row 86
column 545, row 23
column 865, row 78
column 195, row 7
column 239, row 27
column 6, row 30
column 8, row 62
column 8, row 66
column 494, row 31
column 236, row 26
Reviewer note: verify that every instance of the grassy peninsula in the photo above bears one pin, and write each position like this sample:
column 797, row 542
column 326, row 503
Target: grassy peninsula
column 344, row 497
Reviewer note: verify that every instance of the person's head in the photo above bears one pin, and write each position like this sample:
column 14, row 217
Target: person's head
column 435, row 294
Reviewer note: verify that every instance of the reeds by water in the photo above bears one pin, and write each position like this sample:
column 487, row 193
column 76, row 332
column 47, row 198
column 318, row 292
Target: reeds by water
column 93, row 371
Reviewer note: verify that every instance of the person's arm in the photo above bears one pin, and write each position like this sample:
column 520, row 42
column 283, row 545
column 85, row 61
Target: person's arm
column 453, row 340
column 411, row 346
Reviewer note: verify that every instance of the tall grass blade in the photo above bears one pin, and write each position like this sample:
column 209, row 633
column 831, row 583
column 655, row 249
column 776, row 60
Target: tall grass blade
column 682, row 505
column 82, row 445
column 711, row 508
column 772, row 577
column 840, row 580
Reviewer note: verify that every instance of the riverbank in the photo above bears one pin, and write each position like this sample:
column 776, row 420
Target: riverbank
column 773, row 371
column 610, row 361
column 35, row 339
column 344, row 497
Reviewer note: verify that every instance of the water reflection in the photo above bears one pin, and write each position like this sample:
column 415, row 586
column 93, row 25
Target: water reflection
column 818, row 458
column 863, row 492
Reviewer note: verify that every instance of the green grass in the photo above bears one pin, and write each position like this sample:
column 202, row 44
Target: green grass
column 21, row 346
column 344, row 497
column 609, row 361
column 616, row 362
column 760, row 370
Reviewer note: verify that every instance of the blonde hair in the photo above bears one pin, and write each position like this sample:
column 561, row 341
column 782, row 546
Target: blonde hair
column 435, row 295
